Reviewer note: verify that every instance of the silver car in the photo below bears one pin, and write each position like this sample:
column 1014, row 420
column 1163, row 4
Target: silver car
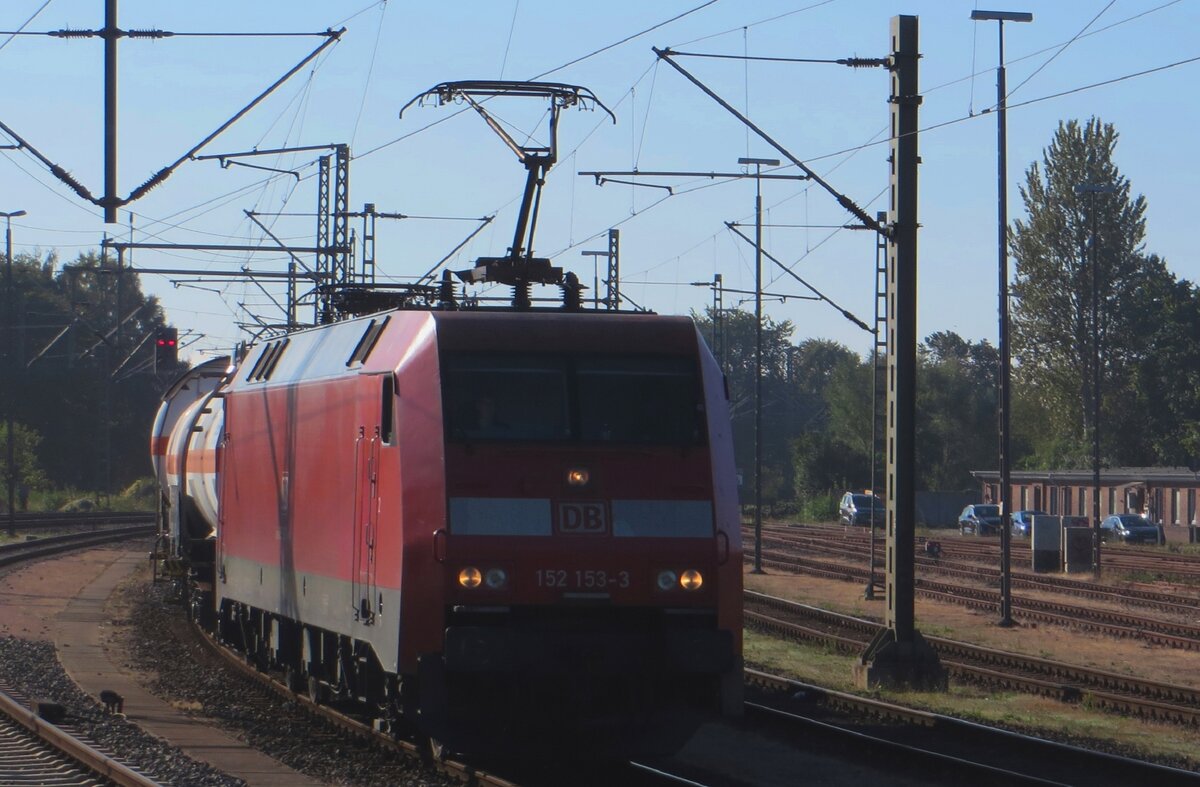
column 981, row 519
column 856, row 509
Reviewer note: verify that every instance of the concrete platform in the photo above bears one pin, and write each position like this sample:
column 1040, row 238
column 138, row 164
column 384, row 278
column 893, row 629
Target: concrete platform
column 79, row 640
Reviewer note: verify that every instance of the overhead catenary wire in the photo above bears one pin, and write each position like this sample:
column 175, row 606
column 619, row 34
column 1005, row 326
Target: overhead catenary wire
column 25, row 24
column 1061, row 49
column 362, row 104
column 759, row 22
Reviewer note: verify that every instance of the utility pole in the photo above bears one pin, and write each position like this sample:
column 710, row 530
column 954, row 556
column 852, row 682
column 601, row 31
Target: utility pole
column 11, row 371
column 1005, row 351
column 1094, row 263
column 899, row 655
column 612, row 256
column 758, row 351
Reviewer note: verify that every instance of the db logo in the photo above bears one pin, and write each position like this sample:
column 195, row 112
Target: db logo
column 582, row 519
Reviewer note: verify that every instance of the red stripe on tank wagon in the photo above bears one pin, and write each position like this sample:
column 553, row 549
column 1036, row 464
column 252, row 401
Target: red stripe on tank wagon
column 158, row 445
column 202, row 461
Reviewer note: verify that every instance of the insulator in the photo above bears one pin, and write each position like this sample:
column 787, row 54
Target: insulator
column 521, row 295
column 446, row 295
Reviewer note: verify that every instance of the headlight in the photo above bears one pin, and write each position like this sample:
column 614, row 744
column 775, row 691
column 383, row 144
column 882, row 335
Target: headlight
column 691, row 580
column 666, row 580
column 578, row 476
column 496, row 578
column 470, row 578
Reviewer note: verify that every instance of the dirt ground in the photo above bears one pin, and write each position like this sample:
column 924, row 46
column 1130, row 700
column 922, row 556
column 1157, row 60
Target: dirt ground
column 952, row 621
column 32, row 596
column 1044, row 717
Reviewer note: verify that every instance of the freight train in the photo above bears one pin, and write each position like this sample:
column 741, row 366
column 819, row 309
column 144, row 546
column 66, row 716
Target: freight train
column 507, row 530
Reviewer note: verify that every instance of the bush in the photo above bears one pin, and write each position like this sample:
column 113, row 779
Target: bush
column 818, row 505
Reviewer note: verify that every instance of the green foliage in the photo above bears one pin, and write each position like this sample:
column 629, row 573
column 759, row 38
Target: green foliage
column 83, row 378
column 956, row 411
column 819, row 506
column 25, row 456
column 1146, row 321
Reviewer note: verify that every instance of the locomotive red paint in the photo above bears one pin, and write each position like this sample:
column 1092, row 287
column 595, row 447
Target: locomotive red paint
column 507, row 528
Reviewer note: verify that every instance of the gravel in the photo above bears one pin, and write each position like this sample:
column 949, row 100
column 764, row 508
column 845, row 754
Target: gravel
column 32, row 668
column 191, row 678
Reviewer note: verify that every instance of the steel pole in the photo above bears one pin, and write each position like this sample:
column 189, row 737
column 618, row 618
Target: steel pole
column 758, row 569
column 1095, row 260
column 1005, row 350
column 11, row 375
column 111, row 34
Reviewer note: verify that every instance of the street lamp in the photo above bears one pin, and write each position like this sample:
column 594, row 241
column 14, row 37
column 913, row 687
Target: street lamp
column 10, row 356
column 1005, row 350
column 758, row 165
column 1094, row 264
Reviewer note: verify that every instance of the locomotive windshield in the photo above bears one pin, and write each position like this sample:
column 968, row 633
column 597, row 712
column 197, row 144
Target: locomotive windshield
column 603, row 399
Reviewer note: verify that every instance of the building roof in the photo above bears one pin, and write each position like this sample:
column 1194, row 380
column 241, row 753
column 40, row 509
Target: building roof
column 1109, row 476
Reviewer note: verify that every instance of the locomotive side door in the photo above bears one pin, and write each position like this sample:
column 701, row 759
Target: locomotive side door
column 363, row 577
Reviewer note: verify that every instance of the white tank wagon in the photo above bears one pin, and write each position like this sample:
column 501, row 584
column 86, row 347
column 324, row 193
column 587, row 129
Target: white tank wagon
column 183, row 447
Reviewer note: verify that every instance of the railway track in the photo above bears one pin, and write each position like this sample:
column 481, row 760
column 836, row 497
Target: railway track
column 19, row 551
column 967, row 565
column 629, row 774
column 929, row 746
column 48, row 520
column 1110, row 691
column 1120, row 558
column 1110, row 622
column 36, row 752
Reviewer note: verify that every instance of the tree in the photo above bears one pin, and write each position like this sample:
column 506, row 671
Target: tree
column 25, row 455
column 739, row 343
column 956, row 410
column 1068, row 238
column 834, row 452
column 85, row 385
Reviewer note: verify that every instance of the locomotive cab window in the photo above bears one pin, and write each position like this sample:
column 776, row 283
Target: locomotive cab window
column 639, row 400
column 601, row 399
column 505, row 398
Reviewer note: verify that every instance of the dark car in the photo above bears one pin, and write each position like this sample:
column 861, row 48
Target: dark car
column 1022, row 522
column 980, row 520
column 856, row 508
column 1130, row 528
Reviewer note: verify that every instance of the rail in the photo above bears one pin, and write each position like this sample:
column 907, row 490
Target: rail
column 46, row 520
column 72, row 748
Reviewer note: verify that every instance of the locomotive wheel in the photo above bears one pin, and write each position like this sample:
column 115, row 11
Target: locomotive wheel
column 433, row 750
column 316, row 692
column 295, row 682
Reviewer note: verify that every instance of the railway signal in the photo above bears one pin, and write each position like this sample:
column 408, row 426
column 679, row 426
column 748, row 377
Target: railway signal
column 166, row 347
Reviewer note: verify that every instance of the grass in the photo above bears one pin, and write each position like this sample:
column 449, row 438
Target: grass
column 1075, row 723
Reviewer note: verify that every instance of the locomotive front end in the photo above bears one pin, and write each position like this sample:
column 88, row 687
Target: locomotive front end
column 591, row 554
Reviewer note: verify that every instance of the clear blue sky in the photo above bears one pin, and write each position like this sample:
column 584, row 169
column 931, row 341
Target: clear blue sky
column 173, row 92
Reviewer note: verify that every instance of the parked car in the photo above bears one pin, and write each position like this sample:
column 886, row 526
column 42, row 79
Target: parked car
column 855, row 509
column 1130, row 528
column 980, row 520
column 1022, row 522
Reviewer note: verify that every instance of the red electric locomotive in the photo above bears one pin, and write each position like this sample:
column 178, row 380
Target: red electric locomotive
column 505, row 527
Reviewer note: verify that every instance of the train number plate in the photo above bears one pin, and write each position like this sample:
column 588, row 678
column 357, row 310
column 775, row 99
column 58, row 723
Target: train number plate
column 581, row 579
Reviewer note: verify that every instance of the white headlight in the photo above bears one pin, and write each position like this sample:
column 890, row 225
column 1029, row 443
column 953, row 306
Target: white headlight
column 666, row 580
column 496, row 578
